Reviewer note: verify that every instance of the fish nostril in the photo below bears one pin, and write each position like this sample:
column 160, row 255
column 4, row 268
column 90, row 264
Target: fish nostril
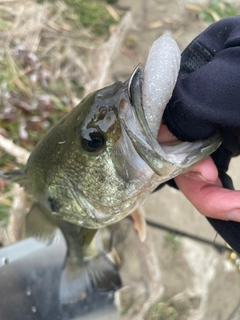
column 122, row 104
column 103, row 110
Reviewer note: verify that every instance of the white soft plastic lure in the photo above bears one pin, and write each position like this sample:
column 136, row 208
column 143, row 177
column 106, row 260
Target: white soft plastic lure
column 160, row 76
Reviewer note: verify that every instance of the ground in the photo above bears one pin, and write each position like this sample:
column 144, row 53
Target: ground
column 209, row 285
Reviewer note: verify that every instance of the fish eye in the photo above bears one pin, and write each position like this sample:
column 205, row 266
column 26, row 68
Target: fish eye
column 95, row 143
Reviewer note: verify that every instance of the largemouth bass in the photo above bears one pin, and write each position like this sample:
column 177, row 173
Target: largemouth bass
column 102, row 160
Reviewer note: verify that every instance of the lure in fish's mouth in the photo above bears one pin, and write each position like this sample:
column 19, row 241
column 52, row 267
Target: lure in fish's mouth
column 137, row 128
column 149, row 93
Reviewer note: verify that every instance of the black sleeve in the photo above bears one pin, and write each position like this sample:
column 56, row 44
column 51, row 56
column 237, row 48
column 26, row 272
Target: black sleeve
column 207, row 98
column 207, row 94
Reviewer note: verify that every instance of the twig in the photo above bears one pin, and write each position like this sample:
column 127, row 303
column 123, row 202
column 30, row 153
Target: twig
column 112, row 12
column 141, row 279
column 11, row 148
column 105, row 55
column 4, row 241
column 16, row 225
column 156, row 288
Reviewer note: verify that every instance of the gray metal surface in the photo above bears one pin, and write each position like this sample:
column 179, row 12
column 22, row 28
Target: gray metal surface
column 30, row 285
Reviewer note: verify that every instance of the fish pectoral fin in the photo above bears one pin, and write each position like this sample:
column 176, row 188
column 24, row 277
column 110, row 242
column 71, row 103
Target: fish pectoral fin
column 83, row 277
column 17, row 176
column 39, row 225
column 139, row 224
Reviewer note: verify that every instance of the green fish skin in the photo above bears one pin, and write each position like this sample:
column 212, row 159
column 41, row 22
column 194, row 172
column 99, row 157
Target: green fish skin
column 100, row 161
column 94, row 167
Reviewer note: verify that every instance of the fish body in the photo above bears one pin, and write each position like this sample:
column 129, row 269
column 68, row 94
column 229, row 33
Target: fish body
column 99, row 163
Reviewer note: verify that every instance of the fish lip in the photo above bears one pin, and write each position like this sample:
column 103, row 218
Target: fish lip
column 163, row 162
column 136, row 80
column 135, row 89
column 135, row 94
column 135, row 124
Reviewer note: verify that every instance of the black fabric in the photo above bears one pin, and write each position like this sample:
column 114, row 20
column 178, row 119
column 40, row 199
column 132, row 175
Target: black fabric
column 207, row 98
column 170, row 183
column 229, row 230
column 194, row 57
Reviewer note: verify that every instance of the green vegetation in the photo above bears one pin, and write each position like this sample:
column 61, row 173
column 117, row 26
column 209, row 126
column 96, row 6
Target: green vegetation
column 5, row 205
column 43, row 71
column 131, row 42
column 28, row 107
column 162, row 311
column 171, row 241
column 217, row 10
column 4, row 209
column 92, row 14
column 38, row 87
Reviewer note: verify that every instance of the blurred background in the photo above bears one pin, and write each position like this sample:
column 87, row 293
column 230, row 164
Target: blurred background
column 53, row 53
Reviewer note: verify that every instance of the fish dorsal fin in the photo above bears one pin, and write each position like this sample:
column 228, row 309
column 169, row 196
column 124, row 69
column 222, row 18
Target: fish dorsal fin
column 39, row 225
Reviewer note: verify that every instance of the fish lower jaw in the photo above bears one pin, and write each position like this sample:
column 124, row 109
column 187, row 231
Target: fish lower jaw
column 103, row 220
column 96, row 219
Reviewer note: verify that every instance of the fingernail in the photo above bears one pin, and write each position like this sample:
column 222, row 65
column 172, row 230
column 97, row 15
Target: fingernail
column 233, row 215
column 197, row 176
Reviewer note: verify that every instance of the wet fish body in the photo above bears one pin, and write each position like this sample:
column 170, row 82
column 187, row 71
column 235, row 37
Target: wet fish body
column 99, row 163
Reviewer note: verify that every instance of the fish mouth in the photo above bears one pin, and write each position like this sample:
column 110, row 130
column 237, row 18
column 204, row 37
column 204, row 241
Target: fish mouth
column 166, row 160
column 135, row 124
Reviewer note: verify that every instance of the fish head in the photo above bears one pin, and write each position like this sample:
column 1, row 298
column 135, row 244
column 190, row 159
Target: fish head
column 87, row 170
column 101, row 160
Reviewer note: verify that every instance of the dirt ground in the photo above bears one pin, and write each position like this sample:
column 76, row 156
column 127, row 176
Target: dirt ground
column 204, row 283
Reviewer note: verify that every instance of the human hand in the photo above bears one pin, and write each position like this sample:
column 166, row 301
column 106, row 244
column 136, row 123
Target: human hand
column 202, row 187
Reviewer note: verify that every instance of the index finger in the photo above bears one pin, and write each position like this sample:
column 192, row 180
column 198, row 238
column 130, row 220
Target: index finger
column 210, row 199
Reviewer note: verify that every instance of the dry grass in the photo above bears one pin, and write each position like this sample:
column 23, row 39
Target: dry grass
column 47, row 64
column 43, row 72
